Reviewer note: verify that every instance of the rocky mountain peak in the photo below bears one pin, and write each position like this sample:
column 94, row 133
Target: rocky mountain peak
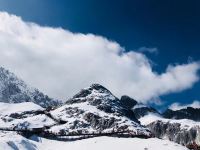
column 99, row 87
column 95, row 95
column 96, row 109
column 93, row 89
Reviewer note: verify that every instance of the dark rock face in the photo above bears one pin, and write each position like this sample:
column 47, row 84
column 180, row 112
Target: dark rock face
column 88, row 91
column 99, row 122
column 127, row 102
column 25, row 114
column 137, row 112
column 187, row 113
column 14, row 90
column 142, row 111
column 174, row 132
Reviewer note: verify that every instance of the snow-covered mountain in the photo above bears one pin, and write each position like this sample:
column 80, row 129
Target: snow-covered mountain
column 92, row 111
column 96, row 110
column 14, row 90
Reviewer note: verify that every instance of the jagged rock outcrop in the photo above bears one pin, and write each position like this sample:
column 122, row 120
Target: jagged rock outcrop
column 14, row 90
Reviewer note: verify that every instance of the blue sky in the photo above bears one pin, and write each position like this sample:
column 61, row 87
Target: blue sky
column 172, row 27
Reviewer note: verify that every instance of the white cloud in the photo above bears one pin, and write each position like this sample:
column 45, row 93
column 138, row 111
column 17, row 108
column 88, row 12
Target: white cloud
column 178, row 106
column 60, row 62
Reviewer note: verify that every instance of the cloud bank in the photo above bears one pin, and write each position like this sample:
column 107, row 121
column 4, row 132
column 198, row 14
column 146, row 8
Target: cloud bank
column 60, row 62
column 178, row 106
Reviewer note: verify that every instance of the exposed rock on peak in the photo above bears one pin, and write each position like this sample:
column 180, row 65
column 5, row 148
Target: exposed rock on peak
column 96, row 88
column 99, row 96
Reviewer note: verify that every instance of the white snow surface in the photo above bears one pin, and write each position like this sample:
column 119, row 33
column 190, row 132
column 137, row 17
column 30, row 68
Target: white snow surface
column 7, row 109
column 38, row 121
column 13, row 141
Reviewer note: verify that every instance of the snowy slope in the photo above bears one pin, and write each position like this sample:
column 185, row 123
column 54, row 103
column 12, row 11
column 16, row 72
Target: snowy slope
column 14, row 90
column 7, row 109
column 111, row 143
column 12, row 141
column 95, row 109
column 25, row 115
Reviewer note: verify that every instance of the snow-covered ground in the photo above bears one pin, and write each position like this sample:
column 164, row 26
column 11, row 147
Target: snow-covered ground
column 13, row 141
column 111, row 143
